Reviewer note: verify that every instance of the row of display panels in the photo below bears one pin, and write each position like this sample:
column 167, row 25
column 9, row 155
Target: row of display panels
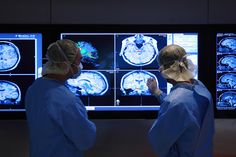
column 120, row 63
column 226, row 71
column 116, row 67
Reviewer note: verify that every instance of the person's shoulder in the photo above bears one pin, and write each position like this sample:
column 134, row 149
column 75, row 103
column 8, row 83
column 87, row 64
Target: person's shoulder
column 60, row 98
column 35, row 82
column 180, row 94
column 179, row 98
column 201, row 89
column 35, row 85
column 55, row 91
column 198, row 86
column 61, row 91
column 198, row 83
column 175, row 103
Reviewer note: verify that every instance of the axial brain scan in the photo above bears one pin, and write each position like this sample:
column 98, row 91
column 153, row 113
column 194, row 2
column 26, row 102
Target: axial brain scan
column 9, row 56
column 227, row 63
column 89, row 83
column 227, row 99
column 134, row 82
column 227, row 81
column 227, row 44
column 9, row 93
column 139, row 50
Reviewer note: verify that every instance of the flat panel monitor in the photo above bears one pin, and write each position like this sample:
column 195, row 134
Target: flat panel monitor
column 226, row 71
column 117, row 66
column 20, row 65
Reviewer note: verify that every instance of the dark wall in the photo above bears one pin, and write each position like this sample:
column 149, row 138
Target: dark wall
column 118, row 12
column 115, row 138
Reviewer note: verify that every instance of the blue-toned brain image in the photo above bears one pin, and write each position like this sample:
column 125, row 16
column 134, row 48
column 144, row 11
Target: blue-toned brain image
column 227, row 81
column 227, row 63
column 228, row 44
column 9, row 56
column 89, row 53
column 134, row 82
column 89, row 83
column 139, row 50
column 10, row 93
column 227, row 99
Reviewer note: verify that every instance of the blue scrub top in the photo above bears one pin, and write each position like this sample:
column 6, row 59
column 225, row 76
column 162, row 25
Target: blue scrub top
column 185, row 123
column 57, row 121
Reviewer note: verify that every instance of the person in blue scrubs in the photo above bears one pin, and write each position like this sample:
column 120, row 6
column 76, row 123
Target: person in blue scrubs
column 57, row 119
column 185, row 123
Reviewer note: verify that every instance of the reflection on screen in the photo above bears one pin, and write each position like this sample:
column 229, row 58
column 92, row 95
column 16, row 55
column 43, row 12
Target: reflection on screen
column 126, row 61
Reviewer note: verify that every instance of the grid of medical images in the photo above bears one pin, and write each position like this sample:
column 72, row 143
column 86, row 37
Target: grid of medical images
column 116, row 67
column 20, row 62
column 226, row 71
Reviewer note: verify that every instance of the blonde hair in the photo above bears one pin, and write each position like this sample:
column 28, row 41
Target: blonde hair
column 175, row 65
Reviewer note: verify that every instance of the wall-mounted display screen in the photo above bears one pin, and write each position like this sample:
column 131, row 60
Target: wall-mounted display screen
column 226, row 71
column 20, row 65
column 117, row 61
column 116, row 67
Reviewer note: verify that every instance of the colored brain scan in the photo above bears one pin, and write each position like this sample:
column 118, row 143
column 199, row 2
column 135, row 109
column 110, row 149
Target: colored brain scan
column 134, row 82
column 89, row 83
column 139, row 50
column 227, row 81
column 227, row 63
column 89, row 53
column 9, row 56
column 227, row 99
column 10, row 93
column 227, row 44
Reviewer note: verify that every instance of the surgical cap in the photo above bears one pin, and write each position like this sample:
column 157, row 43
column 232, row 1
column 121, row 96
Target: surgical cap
column 62, row 51
column 175, row 65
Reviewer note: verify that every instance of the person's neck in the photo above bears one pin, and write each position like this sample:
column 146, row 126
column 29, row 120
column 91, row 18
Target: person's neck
column 57, row 77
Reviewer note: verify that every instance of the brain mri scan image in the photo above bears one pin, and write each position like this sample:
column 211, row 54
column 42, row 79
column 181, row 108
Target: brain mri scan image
column 89, row 83
column 10, row 93
column 227, row 63
column 134, row 82
column 118, row 62
column 139, row 50
column 225, row 71
column 89, row 53
column 227, row 81
column 227, row 99
column 227, row 44
column 9, row 56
